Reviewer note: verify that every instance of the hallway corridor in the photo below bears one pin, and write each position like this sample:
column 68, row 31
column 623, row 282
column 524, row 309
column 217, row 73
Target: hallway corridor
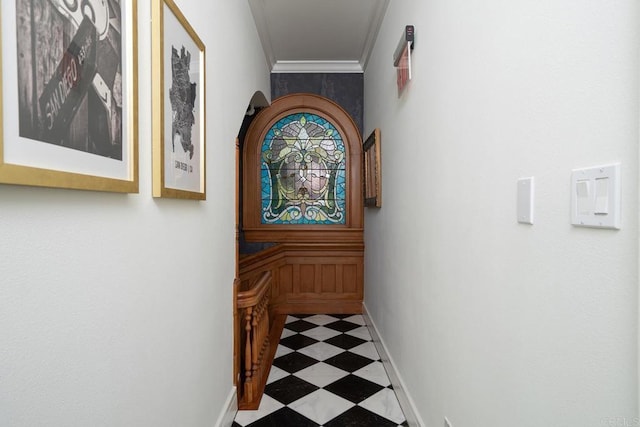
column 326, row 372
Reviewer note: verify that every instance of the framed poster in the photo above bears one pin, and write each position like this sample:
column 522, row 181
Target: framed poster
column 68, row 94
column 372, row 171
column 178, row 98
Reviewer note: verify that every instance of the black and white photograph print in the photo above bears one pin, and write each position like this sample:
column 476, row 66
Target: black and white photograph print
column 69, row 60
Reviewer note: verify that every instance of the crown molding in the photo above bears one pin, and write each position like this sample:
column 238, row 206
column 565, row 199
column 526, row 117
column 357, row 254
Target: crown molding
column 317, row 67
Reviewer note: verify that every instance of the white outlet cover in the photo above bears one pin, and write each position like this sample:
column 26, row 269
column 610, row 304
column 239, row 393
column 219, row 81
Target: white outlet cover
column 525, row 200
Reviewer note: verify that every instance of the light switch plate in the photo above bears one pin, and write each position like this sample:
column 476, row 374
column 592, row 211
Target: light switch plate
column 525, row 200
column 595, row 197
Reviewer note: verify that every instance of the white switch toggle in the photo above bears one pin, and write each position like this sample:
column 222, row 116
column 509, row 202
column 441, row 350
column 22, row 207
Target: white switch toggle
column 584, row 201
column 602, row 196
column 595, row 197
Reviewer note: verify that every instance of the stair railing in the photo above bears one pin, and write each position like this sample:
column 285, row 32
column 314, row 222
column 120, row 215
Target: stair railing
column 253, row 314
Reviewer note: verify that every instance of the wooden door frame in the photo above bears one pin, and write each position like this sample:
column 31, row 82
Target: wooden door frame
column 253, row 229
column 236, row 280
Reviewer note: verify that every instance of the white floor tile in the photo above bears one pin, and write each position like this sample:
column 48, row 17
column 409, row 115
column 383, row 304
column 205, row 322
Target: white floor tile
column 276, row 374
column 361, row 332
column 367, row 350
column 385, row 403
column 321, row 351
column 320, row 333
column 287, row 333
column 374, row 372
column 357, row 319
column 291, row 319
column 267, row 406
column 321, row 374
column 282, row 350
column 321, row 406
column 321, row 319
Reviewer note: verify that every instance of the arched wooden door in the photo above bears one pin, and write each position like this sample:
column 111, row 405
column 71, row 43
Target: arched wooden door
column 302, row 189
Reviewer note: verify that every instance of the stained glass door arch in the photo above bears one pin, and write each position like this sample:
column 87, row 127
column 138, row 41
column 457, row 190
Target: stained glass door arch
column 302, row 172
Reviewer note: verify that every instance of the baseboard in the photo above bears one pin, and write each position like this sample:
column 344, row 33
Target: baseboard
column 406, row 402
column 229, row 412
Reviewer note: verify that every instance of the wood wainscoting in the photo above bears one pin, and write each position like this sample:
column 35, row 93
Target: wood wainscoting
column 309, row 278
column 286, row 279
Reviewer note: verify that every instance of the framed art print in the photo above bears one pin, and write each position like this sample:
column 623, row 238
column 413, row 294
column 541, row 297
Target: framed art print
column 372, row 170
column 178, row 100
column 68, row 94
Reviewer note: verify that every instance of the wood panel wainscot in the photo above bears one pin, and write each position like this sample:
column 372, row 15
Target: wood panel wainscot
column 311, row 277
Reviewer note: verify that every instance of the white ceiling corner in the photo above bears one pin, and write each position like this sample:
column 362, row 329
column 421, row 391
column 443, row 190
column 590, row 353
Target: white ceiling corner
column 377, row 17
column 329, row 36
column 257, row 10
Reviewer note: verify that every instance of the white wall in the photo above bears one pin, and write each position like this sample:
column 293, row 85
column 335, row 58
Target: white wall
column 489, row 322
column 115, row 310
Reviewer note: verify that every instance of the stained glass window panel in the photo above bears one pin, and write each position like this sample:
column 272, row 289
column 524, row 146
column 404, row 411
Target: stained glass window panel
column 303, row 176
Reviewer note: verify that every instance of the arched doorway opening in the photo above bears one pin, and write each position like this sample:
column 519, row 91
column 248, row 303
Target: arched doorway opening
column 300, row 226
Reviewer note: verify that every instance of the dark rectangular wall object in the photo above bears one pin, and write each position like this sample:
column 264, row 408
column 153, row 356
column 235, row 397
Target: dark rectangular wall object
column 345, row 89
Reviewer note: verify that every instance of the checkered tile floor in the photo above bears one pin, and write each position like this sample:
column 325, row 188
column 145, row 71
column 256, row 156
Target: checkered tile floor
column 326, row 372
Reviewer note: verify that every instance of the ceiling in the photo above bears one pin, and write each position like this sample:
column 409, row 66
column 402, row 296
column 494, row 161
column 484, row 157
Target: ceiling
column 329, row 36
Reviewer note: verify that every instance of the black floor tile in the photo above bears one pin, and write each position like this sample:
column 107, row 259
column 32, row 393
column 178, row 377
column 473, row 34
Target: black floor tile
column 342, row 326
column 284, row 417
column 359, row 417
column 293, row 362
column 354, row 388
column 348, row 361
column 300, row 326
column 289, row 389
column 297, row 341
column 345, row 341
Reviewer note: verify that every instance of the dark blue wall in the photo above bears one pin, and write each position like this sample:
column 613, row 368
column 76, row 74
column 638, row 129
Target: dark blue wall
column 347, row 90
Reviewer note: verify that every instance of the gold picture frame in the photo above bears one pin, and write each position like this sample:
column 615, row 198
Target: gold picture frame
column 178, row 104
column 372, row 171
column 69, row 95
